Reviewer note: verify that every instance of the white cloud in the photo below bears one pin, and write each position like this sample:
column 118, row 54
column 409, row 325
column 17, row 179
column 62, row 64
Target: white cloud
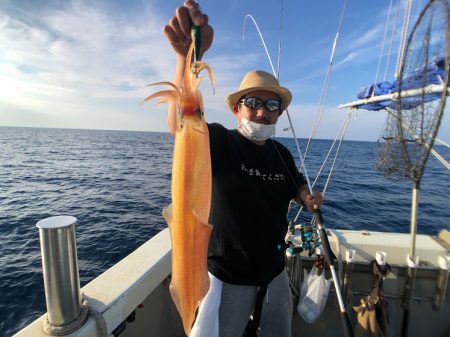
column 82, row 59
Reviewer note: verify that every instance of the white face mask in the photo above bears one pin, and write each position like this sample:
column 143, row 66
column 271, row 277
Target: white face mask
column 255, row 131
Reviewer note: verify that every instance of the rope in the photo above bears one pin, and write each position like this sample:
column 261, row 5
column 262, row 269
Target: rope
column 392, row 40
column 101, row 323
column 404, row 35
column 440, row 158
column 442, row 142
column 382, row 46
column 57, row 330
column 86, row 311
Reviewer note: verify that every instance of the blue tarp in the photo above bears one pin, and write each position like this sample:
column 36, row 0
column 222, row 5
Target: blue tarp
column 381, row 88
column 432, row 73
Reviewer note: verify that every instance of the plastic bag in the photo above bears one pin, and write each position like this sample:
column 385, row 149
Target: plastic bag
column 313, row 295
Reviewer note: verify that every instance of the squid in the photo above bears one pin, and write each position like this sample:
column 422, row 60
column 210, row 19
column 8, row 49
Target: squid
column 188, row 214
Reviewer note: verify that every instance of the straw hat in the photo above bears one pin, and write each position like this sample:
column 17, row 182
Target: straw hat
column 259, row 80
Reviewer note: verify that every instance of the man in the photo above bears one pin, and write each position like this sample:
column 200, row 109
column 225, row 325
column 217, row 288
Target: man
column 254, row 179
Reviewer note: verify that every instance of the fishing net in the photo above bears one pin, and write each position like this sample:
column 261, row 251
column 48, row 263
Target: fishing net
column 411, row 126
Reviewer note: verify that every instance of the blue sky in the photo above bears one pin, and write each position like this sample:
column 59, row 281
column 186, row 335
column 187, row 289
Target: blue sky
column 85, row 64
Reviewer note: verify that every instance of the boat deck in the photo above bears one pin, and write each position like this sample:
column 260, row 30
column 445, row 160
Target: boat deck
column 139, row 283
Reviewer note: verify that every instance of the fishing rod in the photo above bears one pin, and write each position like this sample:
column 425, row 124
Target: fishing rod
column 345, row 320
column 346, row 324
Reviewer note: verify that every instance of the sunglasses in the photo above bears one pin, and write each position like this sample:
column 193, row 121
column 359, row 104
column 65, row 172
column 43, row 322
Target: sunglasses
column 270, row 105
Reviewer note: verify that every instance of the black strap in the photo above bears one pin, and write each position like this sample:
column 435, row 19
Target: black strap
column 253, row 323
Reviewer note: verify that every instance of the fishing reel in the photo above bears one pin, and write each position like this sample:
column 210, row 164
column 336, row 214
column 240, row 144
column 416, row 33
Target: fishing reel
column 300, row 238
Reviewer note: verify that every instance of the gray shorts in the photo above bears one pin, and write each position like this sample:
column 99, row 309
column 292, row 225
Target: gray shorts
column 238, row 302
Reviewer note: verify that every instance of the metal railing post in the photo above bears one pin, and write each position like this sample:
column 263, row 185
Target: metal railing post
column 60, row 270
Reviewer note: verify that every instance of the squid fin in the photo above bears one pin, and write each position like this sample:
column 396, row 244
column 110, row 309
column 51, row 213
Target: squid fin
column 167, row 214
column 202, row 218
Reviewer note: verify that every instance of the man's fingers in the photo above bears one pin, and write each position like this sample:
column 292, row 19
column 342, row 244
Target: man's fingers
column 196, row 15
column 178, row 31
column 184, row 20
column 205, row 19
column 170, row 34
column 179, row 46
column 182, row 38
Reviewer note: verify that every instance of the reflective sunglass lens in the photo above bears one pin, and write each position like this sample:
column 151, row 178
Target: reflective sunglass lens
column 254, row 103
column 271, row 105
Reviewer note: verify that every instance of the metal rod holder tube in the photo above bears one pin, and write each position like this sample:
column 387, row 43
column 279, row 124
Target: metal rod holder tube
column 442, row 282
column 60, row 269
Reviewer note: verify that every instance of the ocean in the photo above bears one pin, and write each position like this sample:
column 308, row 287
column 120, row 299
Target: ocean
column 117, row 182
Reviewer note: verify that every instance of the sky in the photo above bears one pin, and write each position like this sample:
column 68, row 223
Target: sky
column 85, row 64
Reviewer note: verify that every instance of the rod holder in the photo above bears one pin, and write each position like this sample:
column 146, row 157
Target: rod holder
column 60, row 270
column 381, row 258
column 410, row 280
column 442, row 282
column 346, row 283
column 350, row 255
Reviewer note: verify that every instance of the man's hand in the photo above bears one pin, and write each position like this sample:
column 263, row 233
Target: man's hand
column 310, row 201
column 178, row 31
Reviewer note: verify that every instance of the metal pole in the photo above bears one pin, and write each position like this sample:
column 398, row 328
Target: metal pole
column 412, row 261
column 414, row 217
column 60, row 269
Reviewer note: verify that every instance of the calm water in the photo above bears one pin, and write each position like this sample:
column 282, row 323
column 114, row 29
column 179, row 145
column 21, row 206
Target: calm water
column 117, row 182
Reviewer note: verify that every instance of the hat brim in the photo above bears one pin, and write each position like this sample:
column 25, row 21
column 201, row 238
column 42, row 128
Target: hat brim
column 284, row 93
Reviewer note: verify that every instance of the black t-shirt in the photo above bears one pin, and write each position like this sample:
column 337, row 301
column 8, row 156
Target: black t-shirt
column 251, row 190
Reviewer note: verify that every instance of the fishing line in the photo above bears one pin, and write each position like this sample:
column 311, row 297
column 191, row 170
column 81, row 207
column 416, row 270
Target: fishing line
column 341, row 134
column 326, row 84
column 303, row 167
column 346, row 324
column 280, row 40
column 249, row 16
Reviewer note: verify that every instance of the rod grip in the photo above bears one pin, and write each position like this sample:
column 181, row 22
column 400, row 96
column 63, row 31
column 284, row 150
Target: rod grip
column 348, row 331
column 405, row 323
column 330, row 257
column 318, row 214
column 323, row 237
